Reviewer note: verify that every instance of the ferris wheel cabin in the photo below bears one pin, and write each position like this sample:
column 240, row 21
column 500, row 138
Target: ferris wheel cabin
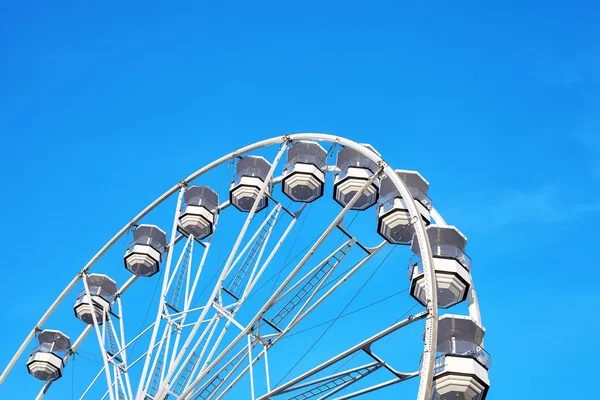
column 46, row 361
column 251, row 172
column 199, row 211
column 304, row 172
column 355, row 169
column 144, row 254
column 394, row 219
column 450, row 263
column 461, row 368
column 102, row 294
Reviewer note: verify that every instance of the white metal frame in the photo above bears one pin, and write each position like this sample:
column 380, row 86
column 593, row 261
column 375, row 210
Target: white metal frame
column 215, row 311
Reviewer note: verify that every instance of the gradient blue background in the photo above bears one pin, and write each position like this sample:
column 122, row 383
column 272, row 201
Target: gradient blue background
column 103, row 107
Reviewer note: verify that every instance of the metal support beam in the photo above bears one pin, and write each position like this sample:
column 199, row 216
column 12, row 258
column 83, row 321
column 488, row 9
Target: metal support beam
column 226, row 269
column 101, row 342
column 278, row 291
column 375, row 387
column 346, row 353
column 141, row 387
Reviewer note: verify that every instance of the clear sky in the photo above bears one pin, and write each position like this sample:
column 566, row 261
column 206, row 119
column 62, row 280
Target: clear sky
column 104, row 106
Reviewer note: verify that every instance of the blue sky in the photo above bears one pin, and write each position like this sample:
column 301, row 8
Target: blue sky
column 103, row 107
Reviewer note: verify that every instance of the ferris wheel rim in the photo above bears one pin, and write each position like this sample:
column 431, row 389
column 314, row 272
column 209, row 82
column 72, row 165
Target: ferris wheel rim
column 427, row 366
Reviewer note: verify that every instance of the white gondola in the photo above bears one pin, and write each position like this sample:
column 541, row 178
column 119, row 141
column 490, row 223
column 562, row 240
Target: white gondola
column 451, row 266
column 102, row 293
column 392, row 213
column 46, row 361
column 145, row 253
column 199, row 211
column 354, row 170
column 461, row 368
column 304, row 171
column 251, row 172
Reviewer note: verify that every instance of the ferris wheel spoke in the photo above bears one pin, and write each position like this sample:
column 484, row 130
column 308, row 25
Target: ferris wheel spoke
column 153, row 378
column 360, row 347
column 337, row 381
column 174, row 317
column 229, row 316
column 302, row 314
column 263, row 189
column 204, row 369
column 180, row 317
column 180, row 272
column 225, row 272
column 223, row 374
column 118, row 356
column 236, row 379
column 108, row 392
column 251, row 282
column 301, row 296
column 174, row 306
column 323, row 268
column 190, row 365
column 334, row 380
column 101, row 336
column 333, row 386
column 294, row 272
column 121, row 349
column 253, row 252
column 141, row 387
column 226, row 371
column 376, row 387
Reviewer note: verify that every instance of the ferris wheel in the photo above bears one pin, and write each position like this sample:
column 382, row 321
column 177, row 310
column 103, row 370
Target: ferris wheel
column 218, row 338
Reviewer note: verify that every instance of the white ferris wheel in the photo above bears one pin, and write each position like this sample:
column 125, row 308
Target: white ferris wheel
column 219, row 338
